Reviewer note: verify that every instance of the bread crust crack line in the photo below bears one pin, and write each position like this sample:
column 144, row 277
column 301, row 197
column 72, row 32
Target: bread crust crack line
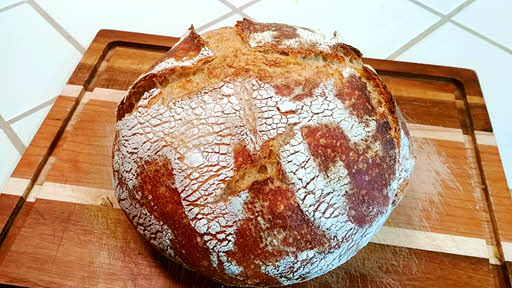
column 327, row 140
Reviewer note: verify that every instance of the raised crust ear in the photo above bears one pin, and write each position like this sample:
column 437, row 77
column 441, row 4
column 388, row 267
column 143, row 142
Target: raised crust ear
column 295, row 40
column 190, row 52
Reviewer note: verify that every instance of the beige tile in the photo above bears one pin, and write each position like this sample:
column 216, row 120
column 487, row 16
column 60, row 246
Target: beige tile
column 36, row 60
column 8, row 159
column 492, row 18
column 83, row 19
column 452, row 46
column 377, row 28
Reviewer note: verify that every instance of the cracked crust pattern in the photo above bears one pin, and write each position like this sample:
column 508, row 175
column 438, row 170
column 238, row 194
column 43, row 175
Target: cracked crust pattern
column 259, row 155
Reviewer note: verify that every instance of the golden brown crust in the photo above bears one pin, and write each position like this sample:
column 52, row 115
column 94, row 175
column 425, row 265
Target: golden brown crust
column 296, row 66
column 337, row 51
column 247, row 27
column 191, row 44
column 304, row 78
column 386, row 101
column 282, row 32
column 189, row 47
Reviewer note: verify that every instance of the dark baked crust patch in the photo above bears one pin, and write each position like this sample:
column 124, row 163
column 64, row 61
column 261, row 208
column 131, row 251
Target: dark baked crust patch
column 274, row 227
column 356, row 96
column 335, row 51
column 162, row 200
column 385, row 101
column 370, row 172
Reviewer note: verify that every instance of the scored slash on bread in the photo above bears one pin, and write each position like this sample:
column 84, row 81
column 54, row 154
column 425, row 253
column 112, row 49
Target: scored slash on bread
column 263, row 154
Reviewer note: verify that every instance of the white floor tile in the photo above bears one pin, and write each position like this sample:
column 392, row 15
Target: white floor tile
column 452, row 46
column 83, row 19
column 492, row 18
column 5, row 3
column 27, row 127
column 230, row 21
column 36, row 61
column 377, row 28
column 9, row 157
column 443, row 6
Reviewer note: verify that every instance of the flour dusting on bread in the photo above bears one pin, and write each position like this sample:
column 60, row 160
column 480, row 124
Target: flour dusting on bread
column 264, row 154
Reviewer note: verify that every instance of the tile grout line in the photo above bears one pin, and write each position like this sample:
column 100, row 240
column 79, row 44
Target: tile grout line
column 215, row 21
column 31, row 110
column 13, row 137
column 481, row 36
column 444, row 19
column 464, row 27
column 234, row 10
column 430, row 9
column 248, row 4
column 57, row 26
column 12, row 6
column 416, row 39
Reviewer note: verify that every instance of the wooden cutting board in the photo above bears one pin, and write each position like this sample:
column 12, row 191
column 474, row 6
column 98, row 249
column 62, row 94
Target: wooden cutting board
column 62, row 225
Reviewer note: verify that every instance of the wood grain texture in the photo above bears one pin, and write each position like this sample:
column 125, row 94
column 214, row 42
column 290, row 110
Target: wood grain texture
column 73, row 234
column 404, row 237
column 41, row 141
column 69, row 244
column 84, row 155
column 493, row 177
column 501, row 198
column 7, row 203
column 39, row 147
column 103, row 44
column 463, row 78
column 122, row 66
column 440, row 183
column 509, row 267
column 424, row 102
column 440, row 197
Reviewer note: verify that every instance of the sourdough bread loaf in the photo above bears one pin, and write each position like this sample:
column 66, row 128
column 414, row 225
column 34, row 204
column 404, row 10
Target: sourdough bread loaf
column 260, row 154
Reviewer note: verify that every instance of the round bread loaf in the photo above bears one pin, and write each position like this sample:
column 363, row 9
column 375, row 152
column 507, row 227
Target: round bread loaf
column 260, row 154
